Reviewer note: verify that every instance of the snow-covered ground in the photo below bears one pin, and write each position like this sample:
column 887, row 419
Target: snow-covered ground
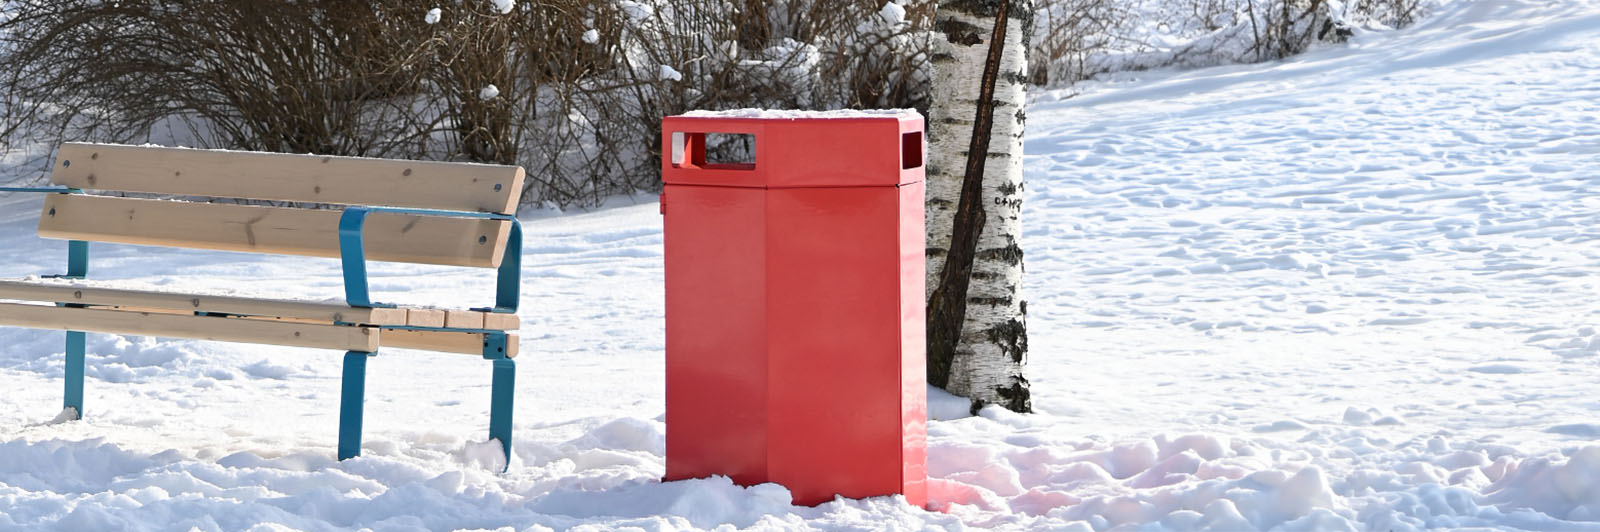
column 1352, row 290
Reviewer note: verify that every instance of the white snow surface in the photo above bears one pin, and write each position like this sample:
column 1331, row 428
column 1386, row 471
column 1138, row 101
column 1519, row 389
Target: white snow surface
column 433, row 16
column 892, row 13
column 667, row 72
column 489, row 92
column 504, row 6
column 1354, row 290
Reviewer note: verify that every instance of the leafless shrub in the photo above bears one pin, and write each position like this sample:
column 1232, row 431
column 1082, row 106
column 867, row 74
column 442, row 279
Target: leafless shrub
column 245, row 75
column 571, row 89
column 663, row 57
column 1080, row 39
column 1071, row 33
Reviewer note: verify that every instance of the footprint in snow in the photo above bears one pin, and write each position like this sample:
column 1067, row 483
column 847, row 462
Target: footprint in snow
column 1581, row 430
column 1498, row 369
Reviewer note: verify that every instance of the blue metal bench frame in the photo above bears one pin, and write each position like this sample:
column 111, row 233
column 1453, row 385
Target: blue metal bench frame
column 352, row 255
column 353, row 381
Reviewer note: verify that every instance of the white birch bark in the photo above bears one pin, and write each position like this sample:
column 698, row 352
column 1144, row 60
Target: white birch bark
column 990, row 359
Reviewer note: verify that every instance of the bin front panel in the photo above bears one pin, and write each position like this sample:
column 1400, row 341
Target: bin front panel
column 834, row 339
column 716, row 333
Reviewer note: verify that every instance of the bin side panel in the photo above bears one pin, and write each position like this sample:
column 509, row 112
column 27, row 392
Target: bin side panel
column 716, row 333
column 913, row 342
column 834, row 334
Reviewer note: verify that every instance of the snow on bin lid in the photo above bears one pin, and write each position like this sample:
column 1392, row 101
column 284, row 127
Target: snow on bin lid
column 796, row 115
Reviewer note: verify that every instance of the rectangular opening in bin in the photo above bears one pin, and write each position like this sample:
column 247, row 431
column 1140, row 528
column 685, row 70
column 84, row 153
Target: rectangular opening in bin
column 911, row 150
column 715, row 151
column 730, row 151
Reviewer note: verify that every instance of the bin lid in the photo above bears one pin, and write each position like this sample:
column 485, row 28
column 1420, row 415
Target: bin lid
column 796, row 149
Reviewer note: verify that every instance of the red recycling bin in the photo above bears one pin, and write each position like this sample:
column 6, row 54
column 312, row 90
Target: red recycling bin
column 795, row 312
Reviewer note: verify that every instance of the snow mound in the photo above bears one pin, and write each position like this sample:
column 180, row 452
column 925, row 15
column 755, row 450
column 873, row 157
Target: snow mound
column 1347, row 291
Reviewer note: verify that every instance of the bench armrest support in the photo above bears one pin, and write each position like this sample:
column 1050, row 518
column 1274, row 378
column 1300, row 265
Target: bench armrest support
column 353, row 256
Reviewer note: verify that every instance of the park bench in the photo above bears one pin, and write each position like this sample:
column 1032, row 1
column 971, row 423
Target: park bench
column 437, row 213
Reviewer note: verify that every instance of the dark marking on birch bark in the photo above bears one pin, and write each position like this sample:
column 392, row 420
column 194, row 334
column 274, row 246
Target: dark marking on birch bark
column 990, row 301
column 1011, row 254
column 947, row 306
column 1012, row 337
column 1017, row 397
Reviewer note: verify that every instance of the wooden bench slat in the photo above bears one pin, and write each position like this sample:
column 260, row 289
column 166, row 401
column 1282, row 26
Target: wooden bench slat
column 288, row 177
column 499, row 321
column 445, row 342
column 425, row 317
column 326, row 313
column 311, row 232
column 339, row 337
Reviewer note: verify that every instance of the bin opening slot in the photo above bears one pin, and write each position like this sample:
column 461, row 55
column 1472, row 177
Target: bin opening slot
column 714, row 151
column 911, row 150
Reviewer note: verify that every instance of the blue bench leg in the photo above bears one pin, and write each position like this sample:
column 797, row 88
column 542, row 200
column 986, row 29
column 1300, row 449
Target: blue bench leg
column 353, row 392
column 504, row 387
column 74, row 369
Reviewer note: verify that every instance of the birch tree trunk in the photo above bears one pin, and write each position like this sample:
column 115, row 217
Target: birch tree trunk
column 974, row 203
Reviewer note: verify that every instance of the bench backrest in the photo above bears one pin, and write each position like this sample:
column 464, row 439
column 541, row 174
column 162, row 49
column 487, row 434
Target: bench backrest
column 280, row 177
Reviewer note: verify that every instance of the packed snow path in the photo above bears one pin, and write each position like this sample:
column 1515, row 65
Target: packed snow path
column 1352, row 290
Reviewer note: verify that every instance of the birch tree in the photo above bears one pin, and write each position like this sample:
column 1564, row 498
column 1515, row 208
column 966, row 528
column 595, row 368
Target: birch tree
column 977, row 333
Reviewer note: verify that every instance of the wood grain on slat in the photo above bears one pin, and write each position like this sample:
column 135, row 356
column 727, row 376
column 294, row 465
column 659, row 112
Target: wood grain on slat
column 339, row 337
column 389, row 237
column 326, row 312
column 447, row 342
column 463, row 319
column 472, row 319
column 425, row 318
column 501, row 322
column 288, row 177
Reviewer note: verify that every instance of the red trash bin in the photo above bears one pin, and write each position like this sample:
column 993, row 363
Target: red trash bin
column 795, row 312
